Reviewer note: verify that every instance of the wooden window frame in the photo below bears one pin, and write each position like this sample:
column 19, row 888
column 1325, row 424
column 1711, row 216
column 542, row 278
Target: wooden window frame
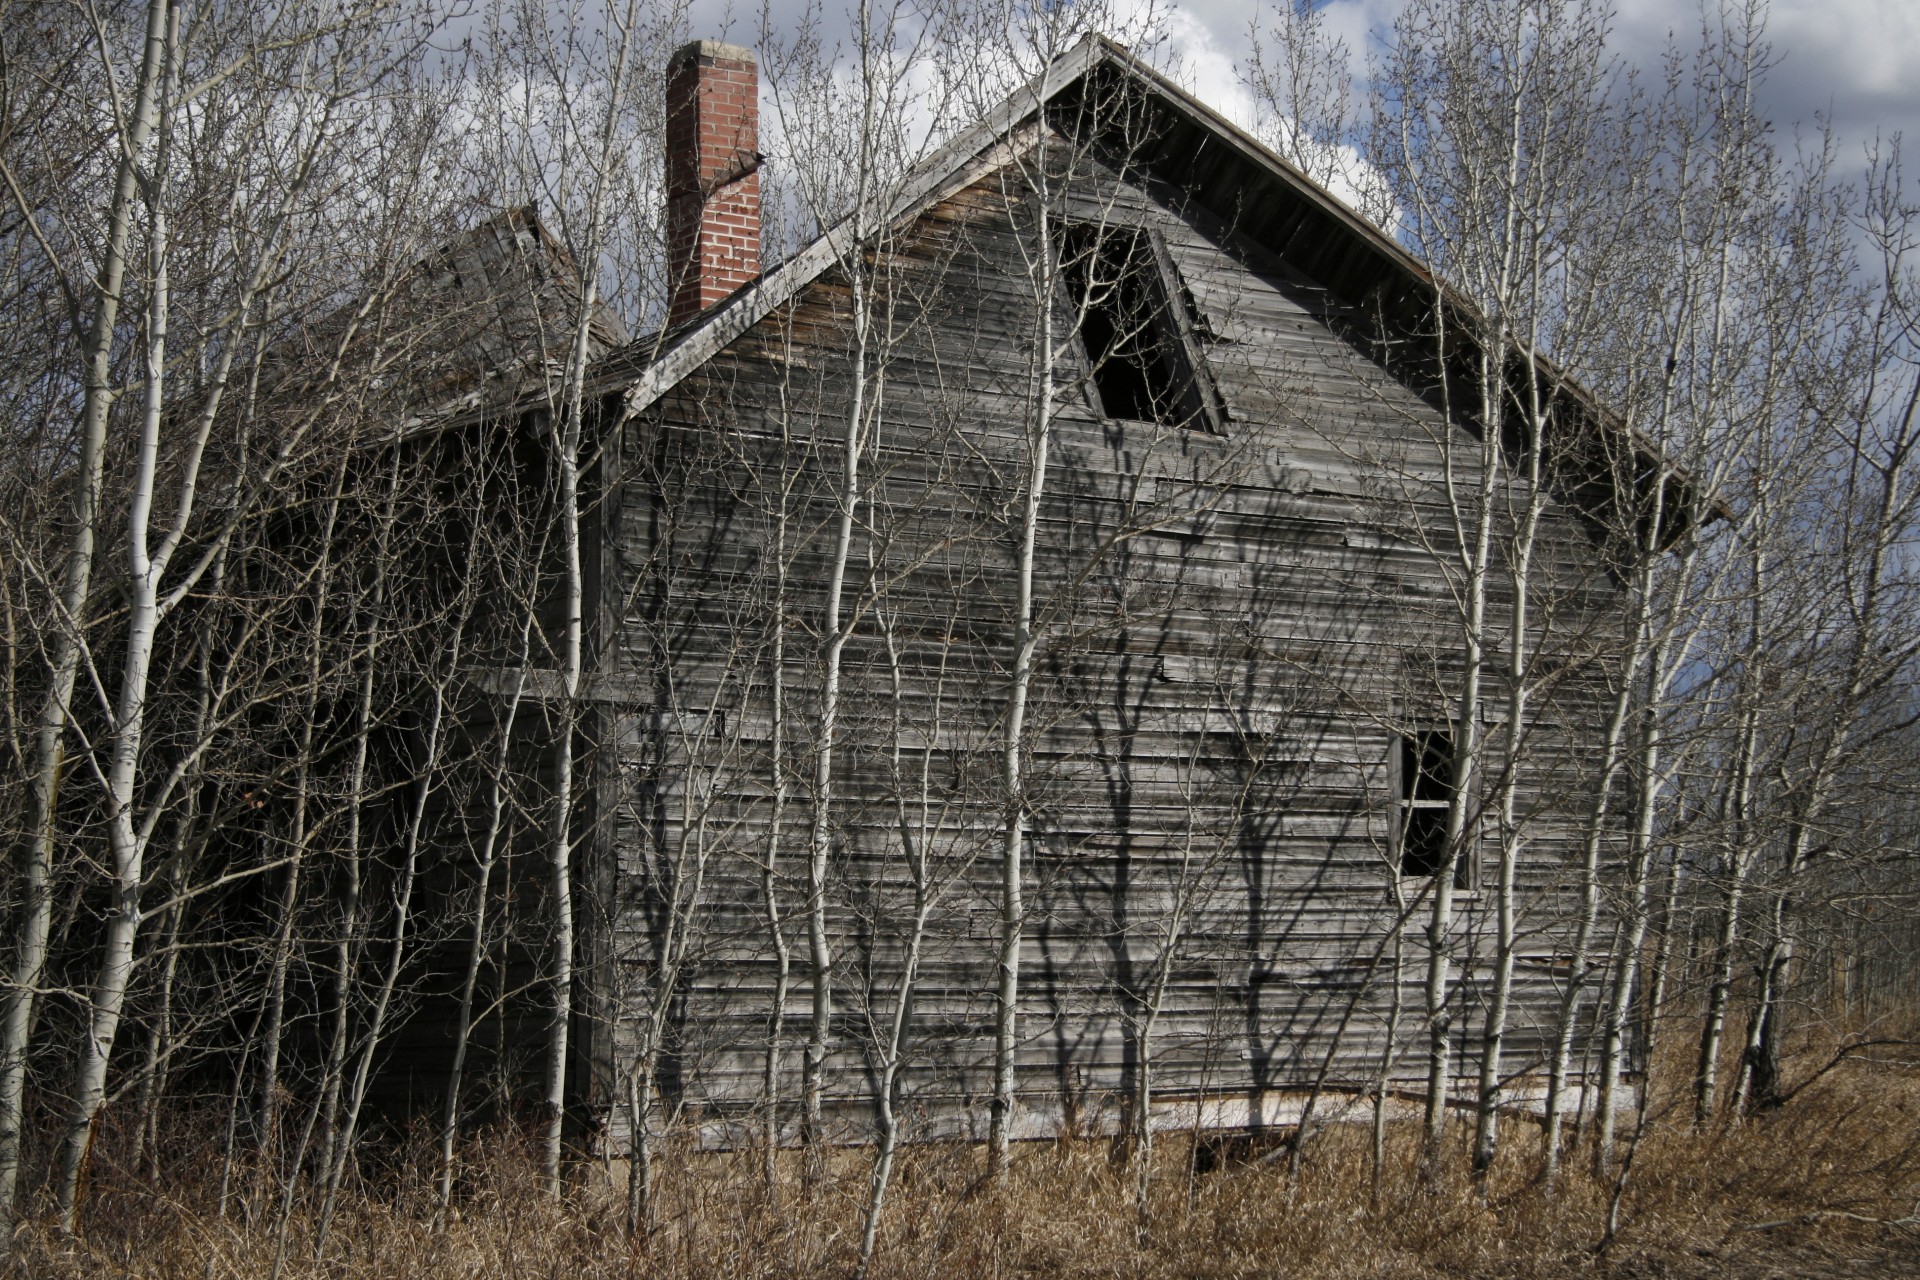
column 1180, row 308
column 1408, row 747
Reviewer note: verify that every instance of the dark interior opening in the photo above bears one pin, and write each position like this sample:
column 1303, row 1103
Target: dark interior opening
column 1141, row 367
column 1426, row 789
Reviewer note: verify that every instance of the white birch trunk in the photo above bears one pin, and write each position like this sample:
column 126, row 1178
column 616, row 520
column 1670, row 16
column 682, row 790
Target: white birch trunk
column 1475, row 551
column 375, row 1030
column 1042, row 267
column 347, row 948
column 560, row 835
column 913, row 844
column 1739, row 863
column 1588, row 913
column 836, row 628
column 1511, row 835
column 1006, row 1021
column 1633, row 930
column 1868, row 667
column 566, row 426
column 776, row 819
column 68, row 640
column 477, row 939
column 145, row 564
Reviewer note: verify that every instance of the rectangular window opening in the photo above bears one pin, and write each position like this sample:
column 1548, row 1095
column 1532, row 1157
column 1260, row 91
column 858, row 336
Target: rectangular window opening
column 1139, row 335
column 1425, row 790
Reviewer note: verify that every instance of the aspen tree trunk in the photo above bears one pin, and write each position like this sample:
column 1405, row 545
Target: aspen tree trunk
column 560, row 836
column 776, row 819
column 145, row 564
column 477, row 942
column 1482, row 140
column 1642, row 647
column 1042, row 267
column 1154, row 1004
column 1633, row 930
column 566, row 425
column 1475, row 549
column 1390, row 1050
column 1738, row 805
column 1485, row 252
column 1588, row 913
column 1761, row 1083
column 640, row 1154
column 1493, row 1035
column 676, row 939
column 374, row 1031
column 267, row 1116
column 837, row 623
column 1740, row 856
column 152, row 544
column 1713, row 1023
column 1644, row 665
column 347, row 947
column 159, row 1048
column 1868, row 666
column 68, row 641
column 1006, row 1022
column 1741, row 783
column 1512, row 837
column 850, row 176
column 187, row 830
column 836, row 627
column 913, row 844
column 1667, row 651
column 1660, row 969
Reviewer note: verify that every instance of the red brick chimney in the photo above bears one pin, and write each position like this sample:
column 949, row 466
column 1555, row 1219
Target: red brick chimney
column 713, row 175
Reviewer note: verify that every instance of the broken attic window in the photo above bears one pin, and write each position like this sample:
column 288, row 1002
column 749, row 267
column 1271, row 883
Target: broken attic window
column 1135, row 321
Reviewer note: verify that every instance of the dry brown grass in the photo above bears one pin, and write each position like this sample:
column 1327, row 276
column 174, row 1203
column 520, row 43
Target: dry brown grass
column 1836, row 1172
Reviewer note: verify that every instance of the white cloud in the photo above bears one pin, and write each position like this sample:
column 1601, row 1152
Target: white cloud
column 1855, row 61
column 1204, row 57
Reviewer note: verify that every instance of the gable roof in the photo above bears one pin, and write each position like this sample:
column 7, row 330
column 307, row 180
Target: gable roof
column 655, row 363
column 1196, row 150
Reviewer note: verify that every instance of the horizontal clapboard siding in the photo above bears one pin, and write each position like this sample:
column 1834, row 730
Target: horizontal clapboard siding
column 1235, row 629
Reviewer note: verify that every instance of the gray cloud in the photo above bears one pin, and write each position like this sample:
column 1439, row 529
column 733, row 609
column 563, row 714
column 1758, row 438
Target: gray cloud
column 1855, row 62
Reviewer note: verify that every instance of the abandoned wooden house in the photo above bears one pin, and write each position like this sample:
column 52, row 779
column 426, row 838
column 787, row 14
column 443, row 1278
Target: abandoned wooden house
column 1095, row 495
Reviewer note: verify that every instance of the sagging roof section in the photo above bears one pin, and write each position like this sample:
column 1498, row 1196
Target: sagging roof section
column 490, row 317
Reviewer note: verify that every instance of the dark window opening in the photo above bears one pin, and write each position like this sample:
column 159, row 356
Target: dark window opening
column 1426, row 790
column 1140, row 338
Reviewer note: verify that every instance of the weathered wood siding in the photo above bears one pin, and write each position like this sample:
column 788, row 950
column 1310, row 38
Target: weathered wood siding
column 1235, row 629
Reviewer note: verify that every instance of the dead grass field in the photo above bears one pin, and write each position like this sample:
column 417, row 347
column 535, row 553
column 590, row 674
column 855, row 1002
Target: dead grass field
column 1827, row 1186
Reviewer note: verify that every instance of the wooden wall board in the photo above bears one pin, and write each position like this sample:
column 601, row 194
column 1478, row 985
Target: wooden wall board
column 1236, row 629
